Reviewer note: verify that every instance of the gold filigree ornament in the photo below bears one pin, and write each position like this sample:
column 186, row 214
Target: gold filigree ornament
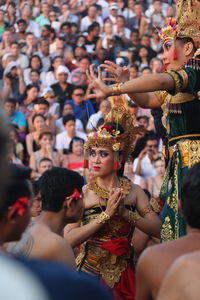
column 124, row 183
column 166, row 231
column 116, row 146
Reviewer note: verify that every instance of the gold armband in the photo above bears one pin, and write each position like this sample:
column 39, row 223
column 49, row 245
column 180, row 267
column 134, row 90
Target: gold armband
column 117, row 89
column 133, row 217
column 102, row 218
column 144, row 211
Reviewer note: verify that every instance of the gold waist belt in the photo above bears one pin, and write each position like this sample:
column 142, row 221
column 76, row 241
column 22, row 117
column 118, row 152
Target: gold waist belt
column 189, row 151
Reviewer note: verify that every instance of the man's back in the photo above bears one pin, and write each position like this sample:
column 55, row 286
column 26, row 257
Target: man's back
column 42, row 243
column 156, row 260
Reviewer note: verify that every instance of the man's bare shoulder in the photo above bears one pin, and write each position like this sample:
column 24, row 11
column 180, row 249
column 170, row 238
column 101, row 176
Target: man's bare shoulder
column 182, row 280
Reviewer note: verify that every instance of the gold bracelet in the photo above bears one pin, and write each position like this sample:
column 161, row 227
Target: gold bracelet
column 102, row 218
column 144, row 211
column 117, row 89
column 133, row 217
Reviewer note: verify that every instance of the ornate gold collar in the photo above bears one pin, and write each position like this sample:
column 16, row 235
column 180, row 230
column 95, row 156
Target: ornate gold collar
column 124, row 184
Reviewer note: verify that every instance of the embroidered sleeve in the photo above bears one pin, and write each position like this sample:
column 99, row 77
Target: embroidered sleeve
column 178, row 81
column 184, row 80
column 161, row 95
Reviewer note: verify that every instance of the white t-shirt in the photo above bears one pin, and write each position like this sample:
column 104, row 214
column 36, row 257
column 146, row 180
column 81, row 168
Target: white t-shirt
column 147, row 169
column 93, row 120
column 60, row 126
column 86, row 22
column 63, row 140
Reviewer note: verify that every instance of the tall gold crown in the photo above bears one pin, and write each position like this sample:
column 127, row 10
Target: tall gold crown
column 187, row 22
column 107, row 137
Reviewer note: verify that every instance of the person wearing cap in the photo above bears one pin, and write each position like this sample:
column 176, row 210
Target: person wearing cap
column 54, row 108
column 62, row 89
column 113, row 13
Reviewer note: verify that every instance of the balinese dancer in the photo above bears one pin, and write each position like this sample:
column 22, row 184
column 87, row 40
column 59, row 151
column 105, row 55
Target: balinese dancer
column 113, row 206
column 177, row 92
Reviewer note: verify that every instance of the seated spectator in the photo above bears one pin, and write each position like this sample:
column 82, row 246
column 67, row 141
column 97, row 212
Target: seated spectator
column 93, row 41
column 74, row 160
column 43, row 18
column 41, row 106
column 19, row 148
column 107, row 34
column 44, row 165
column 134, row 41
column 121, row 30
column 20, row 58
column 54, row 108
column 136, row 179
column 44, row 54
column 113, row 13
column 46, row 142
column 91, row 17
column 144, row 164
column 156, row 65
column 29, row 97
column 35, row 62
column 14, row 85
column 49, row 78
column 78, row 75
column 104, row 109
column 68, row 110
column 83, row 109
column 156, row 43
column 146, row 41
column 32, row 143
column 154, row 183
column 79, row 52
column 63, row 139
column 62, row 88
column 133, row 70
column 15, row 117
column 30, row 44
column 21, row 32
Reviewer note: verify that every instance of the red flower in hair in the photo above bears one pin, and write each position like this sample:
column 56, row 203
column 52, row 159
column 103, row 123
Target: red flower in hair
column 108, row 128
column 76, row 195
column 20, row 205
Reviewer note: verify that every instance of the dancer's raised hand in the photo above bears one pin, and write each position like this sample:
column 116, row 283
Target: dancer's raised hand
column 120, row 74
column 101, row 90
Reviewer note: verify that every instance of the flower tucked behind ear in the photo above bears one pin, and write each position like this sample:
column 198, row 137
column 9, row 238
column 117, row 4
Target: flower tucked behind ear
column 20, row 205
column 76, row 195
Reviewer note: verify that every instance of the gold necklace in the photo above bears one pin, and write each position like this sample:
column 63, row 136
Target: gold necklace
column 124, row 184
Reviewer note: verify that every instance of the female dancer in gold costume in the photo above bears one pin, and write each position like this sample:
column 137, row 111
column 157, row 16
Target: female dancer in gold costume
column 113, row 207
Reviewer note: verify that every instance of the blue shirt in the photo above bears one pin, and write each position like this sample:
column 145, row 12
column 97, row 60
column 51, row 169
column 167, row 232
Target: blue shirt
column 18, row 118
column 83, row 111
column 62, row 283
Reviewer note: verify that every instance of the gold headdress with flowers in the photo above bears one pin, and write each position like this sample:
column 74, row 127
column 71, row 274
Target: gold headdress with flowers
column 187, row 22
column 169, row 31
column 110, row 137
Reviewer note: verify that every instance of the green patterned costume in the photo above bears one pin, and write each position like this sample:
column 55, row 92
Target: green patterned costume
column 182, row 109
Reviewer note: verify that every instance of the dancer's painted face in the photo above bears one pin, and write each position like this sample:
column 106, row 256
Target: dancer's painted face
column 101, row 161
column 168, row 53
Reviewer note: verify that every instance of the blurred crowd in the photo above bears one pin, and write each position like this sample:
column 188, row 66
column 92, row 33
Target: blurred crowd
column 46, row 48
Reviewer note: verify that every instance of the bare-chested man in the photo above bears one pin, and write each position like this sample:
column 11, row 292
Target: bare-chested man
column 156, row 260
column 60, row 191
column 182, row 279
